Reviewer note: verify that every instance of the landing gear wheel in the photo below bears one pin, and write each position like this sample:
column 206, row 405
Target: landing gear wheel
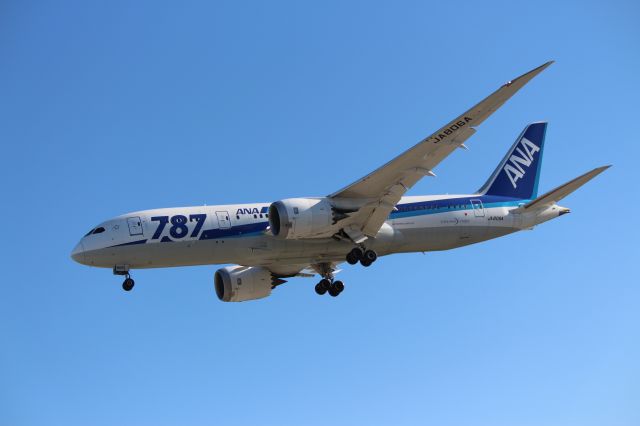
column 354, row 256
column 336, row 288
column 365, row 263
column 128, row 284
column 323, row 286
column 370, row 256
column 320, row 289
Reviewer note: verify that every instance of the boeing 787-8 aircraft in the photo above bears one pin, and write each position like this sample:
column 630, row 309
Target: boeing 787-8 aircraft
column 372, row 217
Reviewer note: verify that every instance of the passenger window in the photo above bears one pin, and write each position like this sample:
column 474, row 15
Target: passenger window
column 295, row 210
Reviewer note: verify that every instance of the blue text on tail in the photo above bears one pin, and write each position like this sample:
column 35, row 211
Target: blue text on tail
column 518, row 173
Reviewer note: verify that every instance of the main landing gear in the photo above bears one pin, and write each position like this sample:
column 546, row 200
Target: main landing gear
column 327, row 283
column 334, row 288
column 365, row 257
column 128, row 283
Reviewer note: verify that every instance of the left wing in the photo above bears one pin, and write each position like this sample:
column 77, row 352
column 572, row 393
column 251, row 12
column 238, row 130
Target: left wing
column 366, row 203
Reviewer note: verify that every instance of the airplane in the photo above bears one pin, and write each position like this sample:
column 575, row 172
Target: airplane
column 268, row 243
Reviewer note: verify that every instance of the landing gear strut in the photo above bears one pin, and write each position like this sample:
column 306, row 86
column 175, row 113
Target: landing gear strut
column 366, row 257
column 128, row 283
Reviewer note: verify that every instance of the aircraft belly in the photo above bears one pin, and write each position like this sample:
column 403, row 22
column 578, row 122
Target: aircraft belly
column 305, row 251
column 158, row 255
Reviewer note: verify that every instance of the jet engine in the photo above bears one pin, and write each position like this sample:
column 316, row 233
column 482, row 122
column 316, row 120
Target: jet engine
column 240, row 283
column 296, row 218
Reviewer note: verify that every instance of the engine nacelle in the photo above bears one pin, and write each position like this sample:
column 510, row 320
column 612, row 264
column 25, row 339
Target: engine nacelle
column 240, row 283
column 295, row 218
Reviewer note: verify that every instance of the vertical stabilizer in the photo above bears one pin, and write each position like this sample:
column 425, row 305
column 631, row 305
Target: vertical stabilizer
column 518, row 173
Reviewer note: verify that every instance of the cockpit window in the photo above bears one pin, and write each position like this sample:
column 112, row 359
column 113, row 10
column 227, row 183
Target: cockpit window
column 90, row 232
column 98, row 230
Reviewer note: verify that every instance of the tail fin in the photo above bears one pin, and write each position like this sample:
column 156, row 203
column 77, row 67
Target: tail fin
column 518, row 173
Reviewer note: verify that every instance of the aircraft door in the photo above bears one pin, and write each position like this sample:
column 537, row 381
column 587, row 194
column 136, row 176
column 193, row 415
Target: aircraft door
column 135, row 225
column 223, row 220
column 517, row 217
column 478, row 208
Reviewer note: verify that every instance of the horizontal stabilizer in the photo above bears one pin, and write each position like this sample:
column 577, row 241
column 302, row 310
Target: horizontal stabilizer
column 562, row 191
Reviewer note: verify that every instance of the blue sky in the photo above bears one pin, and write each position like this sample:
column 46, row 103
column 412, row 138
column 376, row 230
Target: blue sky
column 109, row 107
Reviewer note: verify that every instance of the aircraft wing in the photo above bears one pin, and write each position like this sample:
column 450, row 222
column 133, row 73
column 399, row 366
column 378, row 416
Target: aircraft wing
column 368, row 202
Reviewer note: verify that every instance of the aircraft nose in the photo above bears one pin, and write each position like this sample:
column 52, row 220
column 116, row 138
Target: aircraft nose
column 77, row 253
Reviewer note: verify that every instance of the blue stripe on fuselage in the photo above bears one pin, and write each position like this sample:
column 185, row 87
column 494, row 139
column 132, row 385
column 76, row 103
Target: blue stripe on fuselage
column 234, row 231
column 451, row 204
column 130, row 243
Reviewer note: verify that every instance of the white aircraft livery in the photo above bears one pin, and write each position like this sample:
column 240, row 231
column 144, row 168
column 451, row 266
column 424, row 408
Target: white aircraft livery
column 372, row 217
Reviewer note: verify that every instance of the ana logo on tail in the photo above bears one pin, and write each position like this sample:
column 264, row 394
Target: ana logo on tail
column 513, row 168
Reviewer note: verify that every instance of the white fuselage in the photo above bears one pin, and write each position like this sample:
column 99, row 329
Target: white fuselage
column 239, row 234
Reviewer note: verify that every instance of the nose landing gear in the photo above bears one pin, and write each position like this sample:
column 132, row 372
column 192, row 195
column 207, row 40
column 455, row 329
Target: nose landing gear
column 128, row 283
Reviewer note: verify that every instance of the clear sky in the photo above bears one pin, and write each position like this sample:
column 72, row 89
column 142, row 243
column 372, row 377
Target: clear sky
column 110, row 107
